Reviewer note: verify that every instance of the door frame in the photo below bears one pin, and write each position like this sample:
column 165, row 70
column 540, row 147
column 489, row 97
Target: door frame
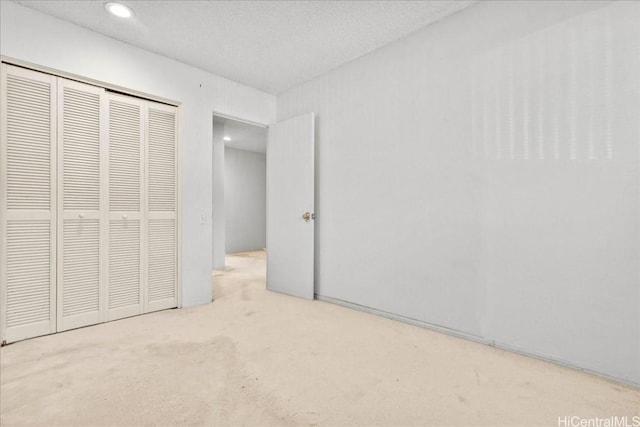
column 223, row 115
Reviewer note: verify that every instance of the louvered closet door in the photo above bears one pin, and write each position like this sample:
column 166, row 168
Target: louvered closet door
column 27, row 204
column 81, row 223
column 125, row 255
column 161, row 233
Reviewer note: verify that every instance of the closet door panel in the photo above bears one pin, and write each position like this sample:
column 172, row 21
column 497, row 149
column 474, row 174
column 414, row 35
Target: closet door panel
column 161, row 265
column 27, row 204
column 82, row 183
column 126, row 250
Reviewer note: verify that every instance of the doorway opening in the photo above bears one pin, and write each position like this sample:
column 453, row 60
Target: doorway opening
column 276, row 210
column 239, row 191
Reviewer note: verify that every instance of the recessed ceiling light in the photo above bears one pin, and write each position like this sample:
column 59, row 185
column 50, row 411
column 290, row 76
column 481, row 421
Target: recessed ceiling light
column 227, row 138
column 118, row 9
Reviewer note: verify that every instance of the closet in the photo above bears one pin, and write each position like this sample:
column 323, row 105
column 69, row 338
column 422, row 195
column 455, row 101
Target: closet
column 88, row 209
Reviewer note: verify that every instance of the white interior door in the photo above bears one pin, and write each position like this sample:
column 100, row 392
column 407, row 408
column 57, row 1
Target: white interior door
column 126, row 251
column 82, row 229
column 27, row 204
column 161, row 289
column 290, row 207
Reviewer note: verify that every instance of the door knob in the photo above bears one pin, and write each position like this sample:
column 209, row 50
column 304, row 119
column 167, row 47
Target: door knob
column 308, row 216
column 124, row 216
column 81, row 215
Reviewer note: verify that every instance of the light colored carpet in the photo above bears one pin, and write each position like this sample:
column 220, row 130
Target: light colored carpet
column 258, row 358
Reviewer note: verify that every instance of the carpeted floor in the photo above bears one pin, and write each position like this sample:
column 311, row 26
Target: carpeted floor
column 257, row 358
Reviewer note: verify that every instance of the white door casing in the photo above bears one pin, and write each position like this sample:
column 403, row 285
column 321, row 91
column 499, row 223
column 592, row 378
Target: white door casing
column 290, row 194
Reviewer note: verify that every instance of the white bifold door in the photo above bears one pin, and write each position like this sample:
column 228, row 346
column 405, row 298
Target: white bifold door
column 125, row 259
column 88, row 212
column 81, row 201
column 28, row 204
column 290, row 207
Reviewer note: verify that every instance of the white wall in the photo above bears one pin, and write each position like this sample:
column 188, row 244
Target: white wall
column 482, row 176
column 245, row 200
column 38, row 38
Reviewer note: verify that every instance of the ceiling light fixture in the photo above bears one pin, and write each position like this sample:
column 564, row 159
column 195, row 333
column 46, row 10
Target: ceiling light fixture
column 227, row 138
column 118, row 9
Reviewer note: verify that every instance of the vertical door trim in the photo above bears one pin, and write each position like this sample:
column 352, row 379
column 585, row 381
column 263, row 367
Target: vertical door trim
column 104, row 208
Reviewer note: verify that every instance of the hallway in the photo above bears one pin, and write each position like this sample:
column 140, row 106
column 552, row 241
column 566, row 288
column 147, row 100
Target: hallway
column 258, row 358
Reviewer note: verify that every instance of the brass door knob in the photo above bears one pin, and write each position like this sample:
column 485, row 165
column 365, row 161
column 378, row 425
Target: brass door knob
column 306, row 216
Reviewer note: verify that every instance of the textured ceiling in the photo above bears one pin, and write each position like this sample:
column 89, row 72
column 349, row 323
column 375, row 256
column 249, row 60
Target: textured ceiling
column 269, row 45
column 243, row 136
